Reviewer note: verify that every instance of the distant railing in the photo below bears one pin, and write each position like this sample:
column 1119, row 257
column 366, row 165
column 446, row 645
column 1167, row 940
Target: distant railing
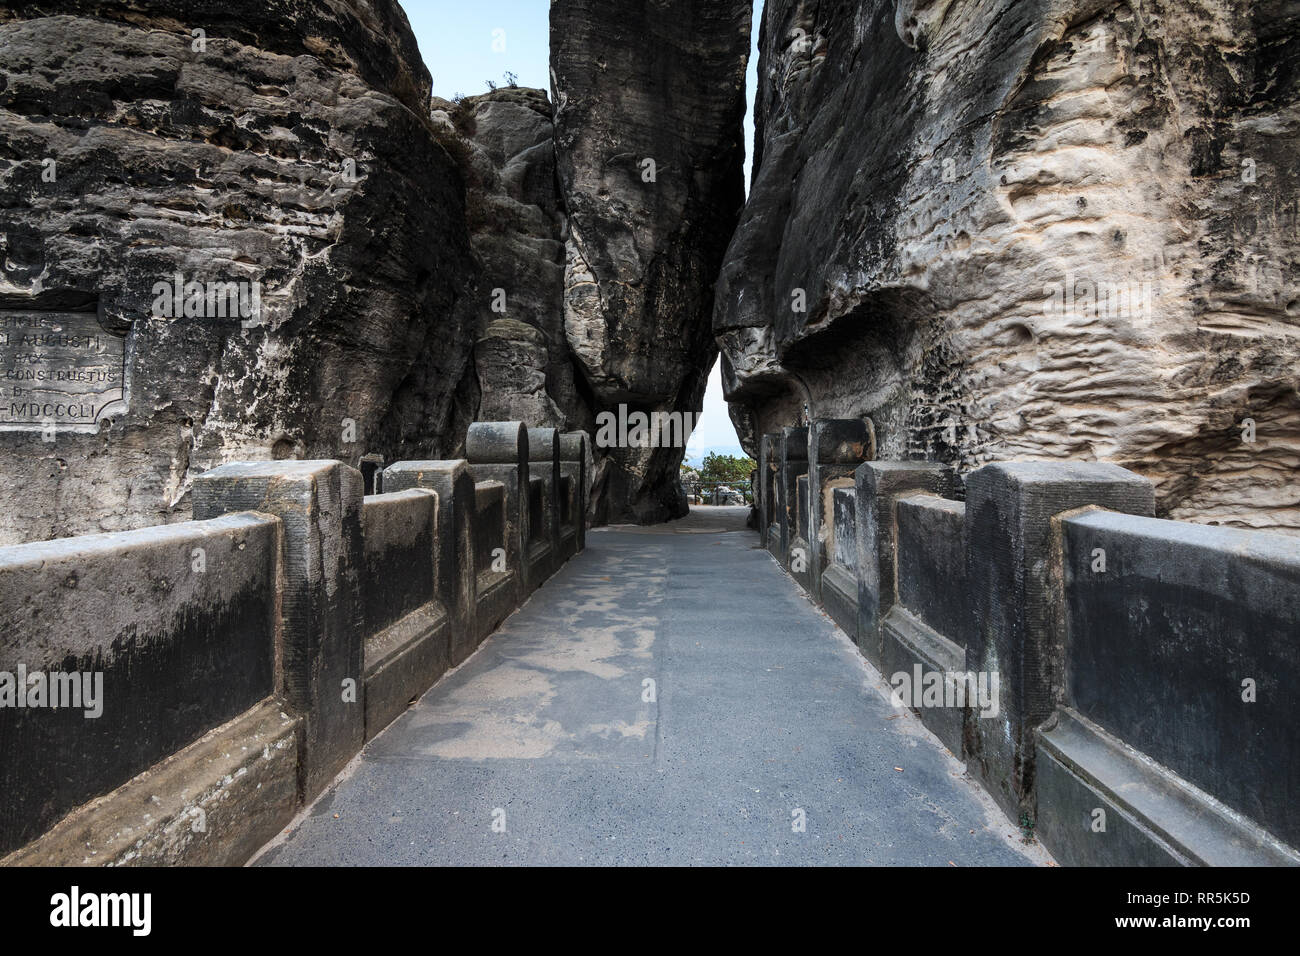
column 710, row 492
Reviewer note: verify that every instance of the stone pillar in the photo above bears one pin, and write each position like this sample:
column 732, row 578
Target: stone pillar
column 836, row 446
column 800, row 552
column 839, row 581
column 573, row 465
column 878, row 484
column 544, row 462
column 792, row 458
column 1016, row 625
column 498, row 451
column 319, row 506
column 765, row 495
column 454, row 572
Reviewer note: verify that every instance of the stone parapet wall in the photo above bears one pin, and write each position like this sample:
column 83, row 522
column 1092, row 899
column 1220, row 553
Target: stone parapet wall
column 1122, row 685
column 286, row 625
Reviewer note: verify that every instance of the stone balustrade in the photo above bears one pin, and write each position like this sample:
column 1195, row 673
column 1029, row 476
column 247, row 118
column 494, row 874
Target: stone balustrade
column 213, row 676
column 1124, row 685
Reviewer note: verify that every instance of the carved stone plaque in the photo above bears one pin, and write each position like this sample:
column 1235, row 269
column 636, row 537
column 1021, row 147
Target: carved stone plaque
column 59, row 370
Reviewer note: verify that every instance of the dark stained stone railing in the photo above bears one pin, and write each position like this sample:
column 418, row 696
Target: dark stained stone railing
column 1088, row 661
column 260, row 645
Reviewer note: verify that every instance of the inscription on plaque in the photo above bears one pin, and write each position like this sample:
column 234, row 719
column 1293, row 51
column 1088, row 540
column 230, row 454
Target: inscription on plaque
column 60, row 370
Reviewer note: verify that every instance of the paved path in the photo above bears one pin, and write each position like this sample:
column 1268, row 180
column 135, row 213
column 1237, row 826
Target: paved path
column 761, row 708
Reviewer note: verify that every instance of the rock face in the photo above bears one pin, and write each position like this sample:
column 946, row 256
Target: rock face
column 649, row 98
column 277, row 143
column 547, row 349
column 1051, row 229
column 244, row 234
column 523, row 369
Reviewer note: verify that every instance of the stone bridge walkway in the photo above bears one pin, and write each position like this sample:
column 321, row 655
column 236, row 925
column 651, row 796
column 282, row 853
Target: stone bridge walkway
column 551, row 746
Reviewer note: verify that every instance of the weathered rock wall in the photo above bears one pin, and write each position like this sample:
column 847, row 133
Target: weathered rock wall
column 523, row 369
column 1058, row 229
column 288, row 144
column 636, row 81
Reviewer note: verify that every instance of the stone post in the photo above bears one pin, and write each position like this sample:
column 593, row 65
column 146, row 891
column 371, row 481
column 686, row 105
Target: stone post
column 792, row 458
column 765, row 493
column 319, row 506
column 573, row 465
column 454, row 573
column 836, row 446
column 498, row 451
column 878, row 484
column 544, row 462
column 1016, row 625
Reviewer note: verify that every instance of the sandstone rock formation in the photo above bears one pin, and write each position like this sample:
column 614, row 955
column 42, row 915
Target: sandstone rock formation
column 280, row 143
column 1049, row 229
column 408, row 269
column 649, row 98
column 1052, row 229
column 523, row 369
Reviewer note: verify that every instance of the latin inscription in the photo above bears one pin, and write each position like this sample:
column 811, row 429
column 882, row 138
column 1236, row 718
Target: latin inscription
column 58, row 370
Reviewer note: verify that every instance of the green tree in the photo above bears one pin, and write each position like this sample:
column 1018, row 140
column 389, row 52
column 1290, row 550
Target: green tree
column 729, row 469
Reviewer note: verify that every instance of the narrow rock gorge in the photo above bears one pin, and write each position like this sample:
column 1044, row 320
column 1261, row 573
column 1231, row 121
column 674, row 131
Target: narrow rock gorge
column 1047, row 229
column 1060, row 229
column 406, row 264
column 522, row 368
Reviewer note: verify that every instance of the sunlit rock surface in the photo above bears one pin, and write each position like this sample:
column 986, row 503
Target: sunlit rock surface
column 1038, row 229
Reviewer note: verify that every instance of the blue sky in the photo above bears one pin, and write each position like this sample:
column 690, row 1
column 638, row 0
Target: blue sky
column 466, row 44
column 463, row 49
